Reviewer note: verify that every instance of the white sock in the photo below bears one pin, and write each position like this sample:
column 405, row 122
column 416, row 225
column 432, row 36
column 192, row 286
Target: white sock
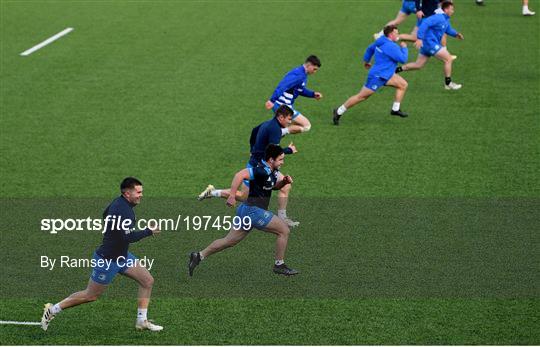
column 56, row 308
column 201, row 256
column 282, row 214
column 141, row 314
column 525, row 8
column 284, row 131
column 279, row 262
column 341, row 110
column 395, row 106
column 216, row 193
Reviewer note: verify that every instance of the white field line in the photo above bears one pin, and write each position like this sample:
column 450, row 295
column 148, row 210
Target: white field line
column 46, row 42
column 18, row 323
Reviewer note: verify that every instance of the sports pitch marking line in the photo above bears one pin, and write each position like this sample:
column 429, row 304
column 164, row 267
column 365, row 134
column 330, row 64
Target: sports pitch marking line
column 46, row 42
column 18, row 323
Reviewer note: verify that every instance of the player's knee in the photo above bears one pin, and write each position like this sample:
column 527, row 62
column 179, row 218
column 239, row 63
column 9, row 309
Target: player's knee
column 90, row 297
column 284, row 191
column 306, row 127
column 148, row 282
column 405, row 85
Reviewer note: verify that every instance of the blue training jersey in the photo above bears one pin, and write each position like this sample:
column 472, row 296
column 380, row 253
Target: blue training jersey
column 387, row 55
column 433, row 28
column 292, row 85
column 262, row 180
column 261, row 136
column 115, row 239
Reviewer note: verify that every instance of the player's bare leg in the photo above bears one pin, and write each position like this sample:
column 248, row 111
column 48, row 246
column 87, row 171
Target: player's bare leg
column 145, row 280
column 279, row 228
column 241, row 195
column 364, row 94
column 418, row 64
column 409, row 37
column 300, row 124
column 525, row 10
column 282, row 201
column 211, row 191
column 401, row 85
column 443, row 43
column 230, row 240
column 400, row 18
column 92, row 292
column 444, row 56
column 233, row 237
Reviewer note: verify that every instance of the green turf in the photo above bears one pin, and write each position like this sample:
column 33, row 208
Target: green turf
column 291, row 321
column 414, row 231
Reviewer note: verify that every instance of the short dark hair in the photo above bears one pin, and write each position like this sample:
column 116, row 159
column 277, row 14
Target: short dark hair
column 272, row 151
column 312, row 59
column 388, row 29
column 129, row 183
column 284, row 111
column 446, row 4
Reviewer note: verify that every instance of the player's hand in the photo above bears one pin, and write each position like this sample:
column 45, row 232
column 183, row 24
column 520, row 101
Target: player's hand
column 459, row 36
column 231, row 200
column 293, row 147
column 418, row 44
column 155, row 229
column 318, row 95
column 269, row 104
column 367, row 66
column 419, row 14
column 287, row 179
column 403, row 44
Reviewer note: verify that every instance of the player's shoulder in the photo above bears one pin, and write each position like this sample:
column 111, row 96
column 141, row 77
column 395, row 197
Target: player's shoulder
column 117, row 204
column 262, row 170
column 297, row 71
column 266, row 125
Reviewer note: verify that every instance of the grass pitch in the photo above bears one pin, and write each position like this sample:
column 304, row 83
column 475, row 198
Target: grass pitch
column 413, row 231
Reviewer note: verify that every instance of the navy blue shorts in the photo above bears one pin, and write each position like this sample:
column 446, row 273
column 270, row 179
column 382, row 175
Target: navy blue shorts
column 103, row 273
column 430, row 50
column 408, row 7
column 375, row 83
column 258, row 217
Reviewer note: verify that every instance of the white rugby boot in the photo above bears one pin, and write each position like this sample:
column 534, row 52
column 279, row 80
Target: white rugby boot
column 207, row 193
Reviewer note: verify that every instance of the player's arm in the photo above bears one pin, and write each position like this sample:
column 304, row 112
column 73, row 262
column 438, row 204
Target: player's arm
column 121, row 214
column 399, row 54
column 239, row 177
column 308, row 93
column 369, row 54
column 275, row 137
column 291, row 149
column 453, row 32
column 421, row 34
column 283, row 182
